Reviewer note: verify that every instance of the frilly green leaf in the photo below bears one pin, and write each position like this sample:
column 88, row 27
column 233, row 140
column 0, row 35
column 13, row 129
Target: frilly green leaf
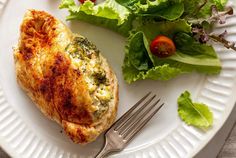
column 107, row 14
column 196, row 114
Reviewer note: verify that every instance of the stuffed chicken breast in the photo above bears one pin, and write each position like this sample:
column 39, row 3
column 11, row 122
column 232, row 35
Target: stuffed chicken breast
column 66, row 77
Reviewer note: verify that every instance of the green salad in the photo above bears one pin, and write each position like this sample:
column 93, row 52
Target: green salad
column 186, row 22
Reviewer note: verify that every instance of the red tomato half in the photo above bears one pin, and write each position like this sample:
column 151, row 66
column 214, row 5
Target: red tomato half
column 82, row 1
column 162, row 46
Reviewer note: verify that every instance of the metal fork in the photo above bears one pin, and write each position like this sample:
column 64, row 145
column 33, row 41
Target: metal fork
column 2, row 5
column 128, row 125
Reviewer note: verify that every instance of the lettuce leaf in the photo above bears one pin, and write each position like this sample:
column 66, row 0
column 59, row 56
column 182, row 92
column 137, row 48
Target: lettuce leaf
column 196, row 114
column 137, row 52
column 192, row 56
column 140, row 63
column 148, row 6
column 220, row 3
column 168, row 28
column 192, row 10
column 166, row 9
column 164, row 72
column 108, row 14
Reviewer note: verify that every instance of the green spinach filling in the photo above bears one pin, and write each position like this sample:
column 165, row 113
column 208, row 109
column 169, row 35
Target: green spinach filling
column 86, row 57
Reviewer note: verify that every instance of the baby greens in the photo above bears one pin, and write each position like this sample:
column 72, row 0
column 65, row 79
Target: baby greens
column 141, row 21
column 190, row 55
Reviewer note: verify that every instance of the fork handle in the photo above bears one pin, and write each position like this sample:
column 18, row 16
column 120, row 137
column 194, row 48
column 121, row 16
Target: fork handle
column 107, row 148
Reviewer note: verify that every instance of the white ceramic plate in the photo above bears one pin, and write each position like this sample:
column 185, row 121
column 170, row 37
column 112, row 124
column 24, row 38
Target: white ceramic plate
column 25, row 132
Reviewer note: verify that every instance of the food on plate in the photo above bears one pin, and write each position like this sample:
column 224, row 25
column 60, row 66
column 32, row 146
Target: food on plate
column 66, row 77
column 196, row 114
column 188, row 23
column 108, row 14
column 162, row 46
column 190, row 55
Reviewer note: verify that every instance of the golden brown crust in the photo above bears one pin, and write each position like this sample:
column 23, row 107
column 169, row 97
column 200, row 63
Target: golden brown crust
column 45, row 72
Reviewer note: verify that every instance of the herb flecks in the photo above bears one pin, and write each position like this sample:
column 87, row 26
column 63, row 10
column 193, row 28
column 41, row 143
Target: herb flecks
column 88, row 47
column 100, row 77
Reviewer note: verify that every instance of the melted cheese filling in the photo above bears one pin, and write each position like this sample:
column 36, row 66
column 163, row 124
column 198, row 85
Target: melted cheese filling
column 86, row 58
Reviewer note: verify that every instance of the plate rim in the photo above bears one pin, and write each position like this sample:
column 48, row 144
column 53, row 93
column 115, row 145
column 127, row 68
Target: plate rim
column 226, row 113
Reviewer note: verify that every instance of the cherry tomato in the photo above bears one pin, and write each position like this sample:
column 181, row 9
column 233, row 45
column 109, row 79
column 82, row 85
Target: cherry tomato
column 162, row 46
column 82, row 1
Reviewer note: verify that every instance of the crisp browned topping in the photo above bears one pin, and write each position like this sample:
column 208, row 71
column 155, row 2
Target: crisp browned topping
column 36, row 33
column 58, row 85
column 58, row 82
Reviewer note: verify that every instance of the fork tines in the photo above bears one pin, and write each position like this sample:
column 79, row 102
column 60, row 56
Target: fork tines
column 125, row 128
column 137, row 116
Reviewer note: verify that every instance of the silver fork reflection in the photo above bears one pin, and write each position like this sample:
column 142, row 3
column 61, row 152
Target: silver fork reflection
column 2, row 5
column 128, row 125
